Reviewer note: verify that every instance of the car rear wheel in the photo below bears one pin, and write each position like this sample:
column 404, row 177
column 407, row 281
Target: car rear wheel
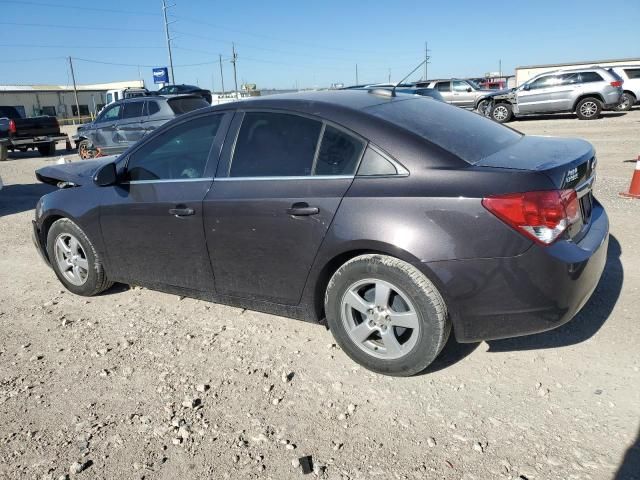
column 74, row 259
column 47, row 149
column 588, row 108
column 502, row 112
column 386, row 315
column 627, row 100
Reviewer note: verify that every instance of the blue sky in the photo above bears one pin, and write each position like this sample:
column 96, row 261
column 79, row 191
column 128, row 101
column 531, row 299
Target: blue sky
column 284, row 43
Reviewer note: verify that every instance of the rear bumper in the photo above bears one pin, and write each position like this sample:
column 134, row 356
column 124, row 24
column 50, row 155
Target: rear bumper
column 37, row 140
column 536, row 291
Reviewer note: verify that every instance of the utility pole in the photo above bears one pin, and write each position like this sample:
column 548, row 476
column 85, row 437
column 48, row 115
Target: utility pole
column 221, row 74
column 235, row 73
column 426, row 60
column 166, row 32
column 500, row 67
column 389, row 75
column 75, row 90
column 357, row 83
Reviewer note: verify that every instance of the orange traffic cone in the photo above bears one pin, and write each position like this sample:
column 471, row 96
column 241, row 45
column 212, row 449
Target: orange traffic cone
column 634, row 188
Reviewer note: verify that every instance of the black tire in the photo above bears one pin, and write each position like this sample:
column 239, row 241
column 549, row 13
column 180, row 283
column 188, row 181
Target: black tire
column 433, row 323
column 627, row 100
column 481, row 108
column 84, row 149
column 47, row 149
column 501, row 112
column 588, row 108
column 96, row 279
column 4, row 152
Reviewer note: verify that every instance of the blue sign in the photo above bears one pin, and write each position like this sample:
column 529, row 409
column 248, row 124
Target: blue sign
column 160, row 75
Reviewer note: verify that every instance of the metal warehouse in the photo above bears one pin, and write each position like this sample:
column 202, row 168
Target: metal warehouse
column 59, row 100
column 525, row 73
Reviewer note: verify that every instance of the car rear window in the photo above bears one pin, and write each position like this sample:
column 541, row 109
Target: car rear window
column 632, row 72
column 184, row 105
column 468, row 135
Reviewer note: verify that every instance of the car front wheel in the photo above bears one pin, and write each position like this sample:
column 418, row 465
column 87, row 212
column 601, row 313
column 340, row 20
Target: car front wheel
column 627, row 100
column 74, row 259
column 502, row 112
column 386, row 315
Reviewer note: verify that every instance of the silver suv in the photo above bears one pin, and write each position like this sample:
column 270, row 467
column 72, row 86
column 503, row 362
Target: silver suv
column 461, row 93
column 585, row 91
column 631, row 77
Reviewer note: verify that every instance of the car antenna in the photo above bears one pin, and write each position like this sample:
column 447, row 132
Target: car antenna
column 393, row 90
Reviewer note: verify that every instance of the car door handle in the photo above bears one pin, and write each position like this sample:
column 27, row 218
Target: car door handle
column 181, row 212
column 302, row 208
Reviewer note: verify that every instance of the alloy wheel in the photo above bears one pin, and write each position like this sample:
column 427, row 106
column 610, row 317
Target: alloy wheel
column 72, row 259
column 588, row 109
column 380, row 319
column 500, row 113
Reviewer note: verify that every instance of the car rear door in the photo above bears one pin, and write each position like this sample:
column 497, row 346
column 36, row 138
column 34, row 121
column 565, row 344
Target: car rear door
column 444, row 87
column 151, row 220
column 279, row 184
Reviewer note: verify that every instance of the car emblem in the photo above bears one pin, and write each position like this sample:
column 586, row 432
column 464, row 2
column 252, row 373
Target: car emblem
column 571, row 175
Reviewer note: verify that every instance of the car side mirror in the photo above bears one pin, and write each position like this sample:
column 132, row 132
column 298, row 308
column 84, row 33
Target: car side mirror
column 526, row 87
column 469, row 89
column 106, row 176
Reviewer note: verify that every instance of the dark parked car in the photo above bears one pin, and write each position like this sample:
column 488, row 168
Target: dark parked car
column 123, row 123
column 183, row 89
column 21, row 133
column 395, row 218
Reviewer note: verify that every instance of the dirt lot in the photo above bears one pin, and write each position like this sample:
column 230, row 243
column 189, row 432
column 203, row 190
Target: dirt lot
column 139, row 384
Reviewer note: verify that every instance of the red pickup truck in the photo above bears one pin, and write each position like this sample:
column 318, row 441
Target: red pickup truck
column 18, row 133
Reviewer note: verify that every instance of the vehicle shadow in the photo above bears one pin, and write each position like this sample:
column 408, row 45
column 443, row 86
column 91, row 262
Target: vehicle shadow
column 452, row 353
column 22, row 197
column 567, row 116
column 630, row 467
column 589, row 319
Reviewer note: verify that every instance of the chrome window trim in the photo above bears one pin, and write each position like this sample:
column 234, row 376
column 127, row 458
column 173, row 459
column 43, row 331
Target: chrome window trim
column 167, row 180
column 299, row 177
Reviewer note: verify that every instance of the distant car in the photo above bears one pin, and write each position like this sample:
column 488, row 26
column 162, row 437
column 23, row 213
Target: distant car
column 458, row 92
column 631, row 86
column 123, row 123
column 585, row 91
column 396, row 218
column 20, row 133
column 185, row 89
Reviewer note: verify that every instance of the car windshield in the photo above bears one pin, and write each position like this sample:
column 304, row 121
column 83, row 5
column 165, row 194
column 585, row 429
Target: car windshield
column 474, row 84
column 470, row 136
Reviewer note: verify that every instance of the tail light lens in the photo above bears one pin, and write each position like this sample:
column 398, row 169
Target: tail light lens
column 12, row 126
column 541, row 216
column 617, row 83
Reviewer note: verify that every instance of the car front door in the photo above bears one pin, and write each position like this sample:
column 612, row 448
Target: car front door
column 103, row 135
column 151, row 220
column 279, row 184
column 463, row 94
column 537, row 96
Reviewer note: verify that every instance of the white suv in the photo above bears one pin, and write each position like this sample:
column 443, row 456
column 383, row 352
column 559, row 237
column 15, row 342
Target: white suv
column 631, row 87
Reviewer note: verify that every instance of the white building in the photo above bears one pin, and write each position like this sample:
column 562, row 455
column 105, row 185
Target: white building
column 59, row 100
column 525, row 73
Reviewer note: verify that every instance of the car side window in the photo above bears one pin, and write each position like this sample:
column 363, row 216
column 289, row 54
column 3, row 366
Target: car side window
column 110, row 114
column 632, row 72
column 460, row 86
column 588, row 77
column 132, row 110
column 443, row 86
column 152, row 107
column 569, row 79
column 275, row 144
column 339, row 153
column 180, row 153
column 542, row 82
column 375, row 164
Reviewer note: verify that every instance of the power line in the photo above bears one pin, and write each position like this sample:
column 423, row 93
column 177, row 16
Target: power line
column 21, row 45
column 66, row 27
column 76, row 7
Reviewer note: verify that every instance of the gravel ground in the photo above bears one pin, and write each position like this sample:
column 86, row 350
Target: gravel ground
column 138, row 384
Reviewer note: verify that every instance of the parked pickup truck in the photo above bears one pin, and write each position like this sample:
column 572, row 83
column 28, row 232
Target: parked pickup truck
column 17, row 133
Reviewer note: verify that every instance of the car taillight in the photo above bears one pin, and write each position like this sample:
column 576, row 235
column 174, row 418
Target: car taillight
column 12, row 126
column 541, row 216
column 617, row 83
